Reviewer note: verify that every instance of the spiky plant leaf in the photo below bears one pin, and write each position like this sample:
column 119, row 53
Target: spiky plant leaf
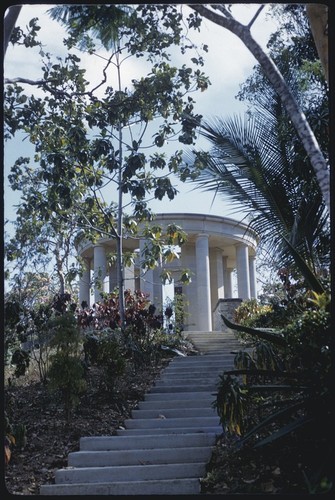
column 276, row 338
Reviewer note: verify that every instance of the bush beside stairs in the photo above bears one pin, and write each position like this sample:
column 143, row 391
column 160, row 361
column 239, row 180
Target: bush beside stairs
column 167, row 443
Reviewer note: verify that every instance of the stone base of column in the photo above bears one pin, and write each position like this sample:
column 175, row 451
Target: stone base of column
column 226, row 307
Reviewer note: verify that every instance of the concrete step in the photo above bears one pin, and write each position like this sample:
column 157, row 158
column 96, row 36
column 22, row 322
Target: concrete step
column 184, row 388
column 174, row 413
column 172, row 423
column 213, row 334
column 211, row 342
column 189, row 486
column 215, row 430
column 130, row 473
column 201, row 358
column 198, row 370
column 175, row 404
column 166, row 444
column 183, row 380
column 190, row 377
column 203, row 362
column 209, row 338
column 139, row 457
column 178, row 396
column 105, row 443
column 201, row 372
column 225, row 344
column 218, row 343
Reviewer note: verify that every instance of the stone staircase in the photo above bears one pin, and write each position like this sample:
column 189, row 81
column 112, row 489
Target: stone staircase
column 213, row 342
column 165, row 446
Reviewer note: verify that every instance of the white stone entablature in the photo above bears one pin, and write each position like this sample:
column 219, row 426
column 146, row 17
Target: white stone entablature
column 216, row 246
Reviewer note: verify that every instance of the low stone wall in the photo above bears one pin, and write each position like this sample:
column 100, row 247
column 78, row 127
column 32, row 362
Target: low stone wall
column 227, row 308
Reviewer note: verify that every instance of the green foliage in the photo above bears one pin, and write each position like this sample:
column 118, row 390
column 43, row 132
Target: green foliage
column 231, row 404
column 161, row 247
column 87, row 142
column 142, row 341
column 282, row 302
column 272, row 185
column 21, row 361
column 309, row 342
column 28, row 38
column 106, row 349
column 13, row 310
column 174, row 312
column 249, row 309
column 286, row 386
column 28, row 309
column 66, row 372
column 140, row 323
column 266, row 357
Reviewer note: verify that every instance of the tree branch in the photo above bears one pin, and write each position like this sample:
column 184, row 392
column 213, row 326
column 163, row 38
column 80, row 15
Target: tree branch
column 298, row 118
column 255, row 16
column 8, row 81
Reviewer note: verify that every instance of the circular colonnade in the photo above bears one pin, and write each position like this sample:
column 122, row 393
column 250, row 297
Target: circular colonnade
column 215, row 248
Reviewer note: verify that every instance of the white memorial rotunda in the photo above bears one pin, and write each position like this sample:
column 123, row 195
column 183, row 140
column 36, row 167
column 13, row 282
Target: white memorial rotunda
column 216, row 247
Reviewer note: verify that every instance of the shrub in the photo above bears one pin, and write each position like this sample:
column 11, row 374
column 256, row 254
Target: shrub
column 66, row 372
column 142, row 323
column 255, row 314
column 106, row 349
column 285, row 384
column 20, row 359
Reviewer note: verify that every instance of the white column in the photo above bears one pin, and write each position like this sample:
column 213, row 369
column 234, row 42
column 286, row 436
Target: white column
column 219, row 274
column 227, row 279
column 113, row 283
column 188, row 261
column 242, row 267
column 252, row 274
column 101, row 280
column 146, row 277
column 84, row 284
column 203, row 283
column 129, row 278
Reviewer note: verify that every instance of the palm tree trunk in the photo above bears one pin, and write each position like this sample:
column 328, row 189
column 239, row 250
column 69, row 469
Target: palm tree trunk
column 298, row 118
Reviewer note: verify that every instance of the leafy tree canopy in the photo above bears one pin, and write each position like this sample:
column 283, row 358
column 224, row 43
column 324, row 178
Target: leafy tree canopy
column 89, row 138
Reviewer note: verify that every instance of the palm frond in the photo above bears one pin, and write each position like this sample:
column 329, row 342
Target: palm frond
column 254, row 164
column 103, row 22
column 309, row 275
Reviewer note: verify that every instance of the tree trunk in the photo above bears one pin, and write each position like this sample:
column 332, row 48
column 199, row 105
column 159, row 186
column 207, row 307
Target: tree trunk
column 9, row 23
column 119, row 241
column 318, row 19
column 298, row 118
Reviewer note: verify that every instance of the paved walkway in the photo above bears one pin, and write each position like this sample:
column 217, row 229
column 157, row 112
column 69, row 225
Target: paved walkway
column 168, row 441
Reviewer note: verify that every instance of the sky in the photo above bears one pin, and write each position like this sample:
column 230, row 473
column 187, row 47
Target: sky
column 228, row 63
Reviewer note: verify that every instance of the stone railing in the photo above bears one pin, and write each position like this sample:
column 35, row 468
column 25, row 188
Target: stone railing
column 226, row 307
